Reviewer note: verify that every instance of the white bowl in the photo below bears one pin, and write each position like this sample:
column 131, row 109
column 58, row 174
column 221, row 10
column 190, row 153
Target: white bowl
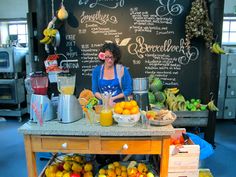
column 126, row 120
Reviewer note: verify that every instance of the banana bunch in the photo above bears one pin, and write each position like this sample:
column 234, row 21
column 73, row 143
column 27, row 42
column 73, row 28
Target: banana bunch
column 175, row 103
column 49, row 34
column 211, row 106
column 217, row 49
column 173, row 90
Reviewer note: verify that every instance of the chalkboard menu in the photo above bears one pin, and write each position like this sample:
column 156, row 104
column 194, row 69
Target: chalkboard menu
column 150, row 35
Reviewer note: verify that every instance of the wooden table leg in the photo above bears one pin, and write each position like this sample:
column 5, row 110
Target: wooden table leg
column 165, row 157
column 30, row 157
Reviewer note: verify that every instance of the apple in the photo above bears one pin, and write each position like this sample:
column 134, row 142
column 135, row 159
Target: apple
column 75, row 175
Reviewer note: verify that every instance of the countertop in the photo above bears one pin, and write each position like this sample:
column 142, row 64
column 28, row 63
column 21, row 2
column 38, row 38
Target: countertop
column 83, row 128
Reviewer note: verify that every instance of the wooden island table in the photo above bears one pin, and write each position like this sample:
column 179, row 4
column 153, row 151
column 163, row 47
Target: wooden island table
column 81, row 137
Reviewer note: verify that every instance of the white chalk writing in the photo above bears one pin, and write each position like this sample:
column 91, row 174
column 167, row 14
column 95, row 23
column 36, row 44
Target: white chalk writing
column 110, row 4
column 98, row 18
column 139, row 48
column 169, row 7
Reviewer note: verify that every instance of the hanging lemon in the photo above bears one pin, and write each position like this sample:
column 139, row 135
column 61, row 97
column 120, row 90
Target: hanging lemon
column 62, row 13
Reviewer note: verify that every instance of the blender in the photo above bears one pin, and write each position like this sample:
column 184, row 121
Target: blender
column 41, row 108
column 69, row 110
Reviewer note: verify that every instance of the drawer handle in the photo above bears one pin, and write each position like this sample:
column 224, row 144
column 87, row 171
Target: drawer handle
column 64, row 145
column 125, row 146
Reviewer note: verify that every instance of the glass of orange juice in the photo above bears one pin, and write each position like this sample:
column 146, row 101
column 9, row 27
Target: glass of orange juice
column 106, row 117
column 66, row 83
column 67, row 90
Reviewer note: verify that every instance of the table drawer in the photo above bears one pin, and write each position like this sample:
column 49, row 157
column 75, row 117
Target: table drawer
column 130, row 146
column 65, row 143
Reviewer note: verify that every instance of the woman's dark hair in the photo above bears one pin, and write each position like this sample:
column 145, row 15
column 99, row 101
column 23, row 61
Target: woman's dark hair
column 114, row 49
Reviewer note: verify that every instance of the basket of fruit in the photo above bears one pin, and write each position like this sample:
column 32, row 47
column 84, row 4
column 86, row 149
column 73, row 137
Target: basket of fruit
column 126, row 113
column 127, row 169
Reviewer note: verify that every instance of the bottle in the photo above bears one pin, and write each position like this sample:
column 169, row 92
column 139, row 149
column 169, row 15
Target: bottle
column 106, row 112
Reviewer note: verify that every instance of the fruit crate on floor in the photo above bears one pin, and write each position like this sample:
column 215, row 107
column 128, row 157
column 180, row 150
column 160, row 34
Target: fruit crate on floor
column 191, row 119
column 184, row 160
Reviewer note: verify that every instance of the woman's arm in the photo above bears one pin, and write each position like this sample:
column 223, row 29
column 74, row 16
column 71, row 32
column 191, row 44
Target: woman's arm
column 127, row 83
column 95, row 78
column 127, row 86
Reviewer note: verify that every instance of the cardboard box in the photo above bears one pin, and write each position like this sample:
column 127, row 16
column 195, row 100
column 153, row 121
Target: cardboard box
column 185, row 158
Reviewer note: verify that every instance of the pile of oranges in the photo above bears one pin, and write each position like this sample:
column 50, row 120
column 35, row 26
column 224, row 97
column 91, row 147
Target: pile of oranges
column 126, row 107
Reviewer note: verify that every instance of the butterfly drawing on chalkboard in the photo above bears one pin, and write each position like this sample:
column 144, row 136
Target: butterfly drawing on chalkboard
column 124, row 42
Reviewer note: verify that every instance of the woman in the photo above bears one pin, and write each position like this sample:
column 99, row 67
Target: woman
column 111, row 77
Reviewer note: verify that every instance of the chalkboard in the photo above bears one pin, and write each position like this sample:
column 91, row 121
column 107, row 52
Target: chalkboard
column 150, row 35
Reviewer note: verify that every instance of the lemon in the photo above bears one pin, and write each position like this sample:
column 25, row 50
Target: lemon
column 88, row 167
column 102, row 171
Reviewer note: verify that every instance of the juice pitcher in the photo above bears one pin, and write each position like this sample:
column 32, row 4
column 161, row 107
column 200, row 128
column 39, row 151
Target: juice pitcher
column 39, row 83
column 66, row 83
column 106, row 112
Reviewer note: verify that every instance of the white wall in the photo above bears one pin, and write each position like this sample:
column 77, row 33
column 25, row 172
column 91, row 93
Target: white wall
column 13, row 9
column 230, row 7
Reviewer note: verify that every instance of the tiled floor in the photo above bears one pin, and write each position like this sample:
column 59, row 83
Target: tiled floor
column 12, row 157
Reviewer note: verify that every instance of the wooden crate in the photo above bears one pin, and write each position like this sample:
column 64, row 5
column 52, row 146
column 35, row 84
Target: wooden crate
column 191, row 119
column 187, row 159
column 184, row 174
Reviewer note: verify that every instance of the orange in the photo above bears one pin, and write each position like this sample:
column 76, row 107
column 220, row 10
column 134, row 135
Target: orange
column 117, row 104
column 122, row 104
column 133, row 103
column 128, row 105
column 126, row 112
column 118, row 109
column 134, row 110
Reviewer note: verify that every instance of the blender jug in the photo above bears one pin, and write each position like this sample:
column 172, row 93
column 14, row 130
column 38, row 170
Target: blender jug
column 68, row 110
column 41, row 108
column 66, row 83
column 39, row 83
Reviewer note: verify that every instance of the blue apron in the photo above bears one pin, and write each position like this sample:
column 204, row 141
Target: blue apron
column 110, row 86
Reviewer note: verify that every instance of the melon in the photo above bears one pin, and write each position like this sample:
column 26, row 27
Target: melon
column 160, row 97
column 151, row 98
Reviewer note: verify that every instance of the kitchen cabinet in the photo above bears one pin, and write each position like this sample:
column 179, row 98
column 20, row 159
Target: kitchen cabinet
column 227, row 87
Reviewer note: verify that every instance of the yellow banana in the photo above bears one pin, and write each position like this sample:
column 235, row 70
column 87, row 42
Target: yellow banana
column 211, row 106
column 172, row 105
column 49, row 41
column 46, row 32
column 217, row 49
column 171, row 89
column 175, row 106
column 53, row 32
column 174, row 90
column 45, row 40
column 181, row 105
column 214, row 49
column 221, row 51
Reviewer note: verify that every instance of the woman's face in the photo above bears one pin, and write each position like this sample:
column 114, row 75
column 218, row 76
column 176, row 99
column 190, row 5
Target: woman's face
column 109, row 59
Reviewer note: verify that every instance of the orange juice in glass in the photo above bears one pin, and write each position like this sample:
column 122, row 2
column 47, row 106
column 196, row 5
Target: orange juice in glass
column 106, row 113
column 67, row 90
column 106, row 117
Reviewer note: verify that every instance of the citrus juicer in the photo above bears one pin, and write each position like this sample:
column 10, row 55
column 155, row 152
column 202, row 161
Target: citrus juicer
column 41, row 108
column 69, row 110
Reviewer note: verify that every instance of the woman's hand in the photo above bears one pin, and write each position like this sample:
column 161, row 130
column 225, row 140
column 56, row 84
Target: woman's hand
column 111, row 102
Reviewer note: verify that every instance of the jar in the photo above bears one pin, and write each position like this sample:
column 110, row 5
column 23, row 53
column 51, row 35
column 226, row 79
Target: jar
column 106, row 118
column 106, row 113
